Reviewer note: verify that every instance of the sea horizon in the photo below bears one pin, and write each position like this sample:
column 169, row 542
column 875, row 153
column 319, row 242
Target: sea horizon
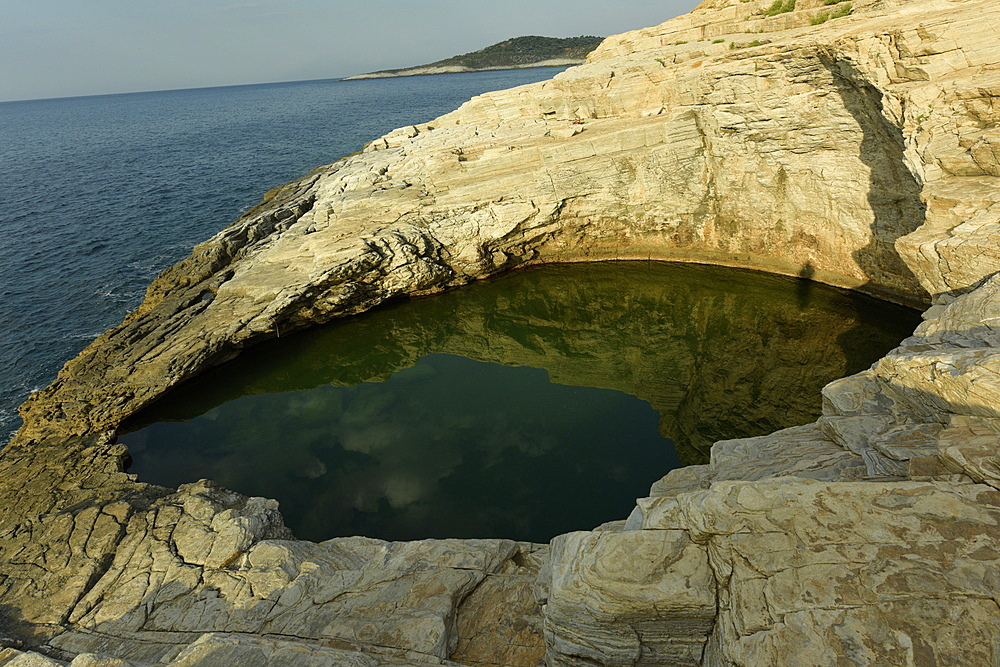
column 173, row 90
column 333, row 79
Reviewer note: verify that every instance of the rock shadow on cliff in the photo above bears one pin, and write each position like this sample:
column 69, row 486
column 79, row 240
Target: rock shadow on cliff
column 894, row 191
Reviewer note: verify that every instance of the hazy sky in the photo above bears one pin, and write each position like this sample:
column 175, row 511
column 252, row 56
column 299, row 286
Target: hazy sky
column 56, row 48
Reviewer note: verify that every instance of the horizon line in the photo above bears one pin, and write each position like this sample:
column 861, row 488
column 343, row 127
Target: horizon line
column 168, row 90
column 260, row 83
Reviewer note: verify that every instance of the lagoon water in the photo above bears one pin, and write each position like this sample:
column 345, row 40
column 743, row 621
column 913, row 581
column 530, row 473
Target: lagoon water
column 525, row 406
column 102, row 193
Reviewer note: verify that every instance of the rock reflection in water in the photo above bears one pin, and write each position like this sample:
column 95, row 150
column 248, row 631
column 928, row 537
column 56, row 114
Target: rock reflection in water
column 383, row 425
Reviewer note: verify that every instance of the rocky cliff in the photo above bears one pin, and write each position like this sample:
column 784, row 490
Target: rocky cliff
column 860, row 148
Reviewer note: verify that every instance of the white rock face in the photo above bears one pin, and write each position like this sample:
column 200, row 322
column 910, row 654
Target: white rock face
column 885, row 574
column 861, row 151
column 634, row 597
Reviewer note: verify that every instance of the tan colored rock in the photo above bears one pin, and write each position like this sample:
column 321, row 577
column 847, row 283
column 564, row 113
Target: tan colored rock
column 13, row 658
column 893, row 573
column 423, row 209
column 971, row 446
column 224, row 649
column 860, row 152
column 935, row 393
column 500, row 623
column 94, row 660
column 630, row 598
column 398, row 601
column 801, row 451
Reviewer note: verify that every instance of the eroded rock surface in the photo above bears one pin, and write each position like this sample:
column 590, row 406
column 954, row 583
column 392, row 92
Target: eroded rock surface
column 860, row 150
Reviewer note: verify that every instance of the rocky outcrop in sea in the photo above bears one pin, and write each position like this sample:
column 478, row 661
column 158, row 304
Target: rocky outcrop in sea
column 856, row 145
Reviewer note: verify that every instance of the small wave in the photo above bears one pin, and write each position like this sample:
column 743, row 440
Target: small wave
column 82, row 336
column 94, row 248
column 9, row 421
column 146, row 266
column 151, row 266
column 118, row 294
column 20, row 216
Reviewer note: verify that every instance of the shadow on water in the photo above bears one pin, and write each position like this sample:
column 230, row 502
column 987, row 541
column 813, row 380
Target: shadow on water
column 534, row 404
column 803, row 288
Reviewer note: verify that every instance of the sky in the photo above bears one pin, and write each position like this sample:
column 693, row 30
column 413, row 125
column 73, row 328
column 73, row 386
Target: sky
column 62, row 48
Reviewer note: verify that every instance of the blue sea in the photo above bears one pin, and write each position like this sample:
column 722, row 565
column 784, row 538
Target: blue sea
column 99, row 194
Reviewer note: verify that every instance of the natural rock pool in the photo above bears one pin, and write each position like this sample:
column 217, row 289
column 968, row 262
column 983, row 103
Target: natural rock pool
column 526, row 406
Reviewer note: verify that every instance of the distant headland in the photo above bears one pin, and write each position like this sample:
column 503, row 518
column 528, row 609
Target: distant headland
column 516, row 53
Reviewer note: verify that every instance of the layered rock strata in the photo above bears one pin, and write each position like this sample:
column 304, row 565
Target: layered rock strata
column 860, row 150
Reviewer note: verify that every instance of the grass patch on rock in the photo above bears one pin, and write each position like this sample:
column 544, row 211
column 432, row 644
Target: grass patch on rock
column 843, row 11
column 780, row 7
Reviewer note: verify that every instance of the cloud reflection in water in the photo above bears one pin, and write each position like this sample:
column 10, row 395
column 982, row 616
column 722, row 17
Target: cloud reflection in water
column 434, row 418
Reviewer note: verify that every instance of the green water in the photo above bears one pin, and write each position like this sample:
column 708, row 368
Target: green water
column 523, row 407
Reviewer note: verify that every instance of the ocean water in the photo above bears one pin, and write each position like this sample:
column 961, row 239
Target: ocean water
column 99, row 194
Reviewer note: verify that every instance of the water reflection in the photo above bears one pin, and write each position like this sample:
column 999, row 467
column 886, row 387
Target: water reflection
column 384, row 425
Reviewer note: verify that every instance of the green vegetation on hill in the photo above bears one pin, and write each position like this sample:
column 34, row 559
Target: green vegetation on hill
column 517, row 52
column 844, row 8
column 524, row 51
column 780, row 7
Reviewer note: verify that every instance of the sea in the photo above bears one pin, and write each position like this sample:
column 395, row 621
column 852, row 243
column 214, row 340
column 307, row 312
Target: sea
column 99, row 194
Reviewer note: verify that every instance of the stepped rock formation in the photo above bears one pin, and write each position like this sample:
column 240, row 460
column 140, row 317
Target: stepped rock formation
column 863, row 151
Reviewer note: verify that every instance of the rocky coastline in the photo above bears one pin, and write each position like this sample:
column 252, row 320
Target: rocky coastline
column 862, row 151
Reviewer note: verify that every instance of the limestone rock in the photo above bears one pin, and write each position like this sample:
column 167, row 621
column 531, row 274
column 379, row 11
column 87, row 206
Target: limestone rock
column 860, row 151
column 227, row 649
column 937, row 384
column 396, row 599
column 94, row 660
column 13, row 658
column 500, row 623
column 893, row 573
column 630, row 598
column 971, row 446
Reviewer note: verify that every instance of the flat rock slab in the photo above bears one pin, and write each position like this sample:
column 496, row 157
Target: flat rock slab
column 887, row 573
